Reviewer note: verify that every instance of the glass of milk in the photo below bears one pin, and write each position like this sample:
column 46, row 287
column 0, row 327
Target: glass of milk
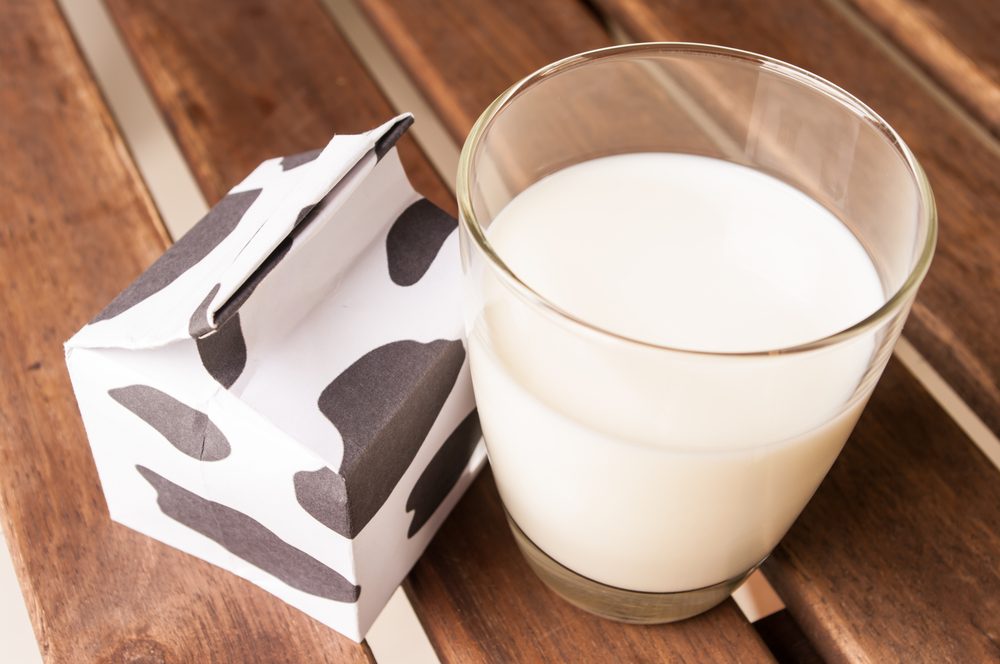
column 686, row 267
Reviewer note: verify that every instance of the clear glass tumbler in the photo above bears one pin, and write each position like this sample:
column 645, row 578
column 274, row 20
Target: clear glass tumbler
column 638, row 479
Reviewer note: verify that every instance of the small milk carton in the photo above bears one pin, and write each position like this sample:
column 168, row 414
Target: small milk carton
column 285, row 393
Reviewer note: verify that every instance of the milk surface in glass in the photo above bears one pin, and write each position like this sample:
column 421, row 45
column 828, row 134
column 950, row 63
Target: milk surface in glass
column 655, row 470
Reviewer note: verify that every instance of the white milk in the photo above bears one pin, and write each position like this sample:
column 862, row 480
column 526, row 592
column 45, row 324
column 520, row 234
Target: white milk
column 644, row 468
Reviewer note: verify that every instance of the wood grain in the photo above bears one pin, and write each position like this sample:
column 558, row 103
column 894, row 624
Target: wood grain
column 302, row 52
column 955, row 317
column 955, row 41
column 895, row 558
column 481, row 602
column 77, row 226
column 464, row 54
column 240, row 82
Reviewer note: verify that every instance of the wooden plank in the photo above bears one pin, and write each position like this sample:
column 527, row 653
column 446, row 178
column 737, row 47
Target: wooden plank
column 296, row 54
column 954, row 41
column 481, row 602
column 78, row 225
column 954, row 320
column 239, row 82
column 464, row 54
column 895, row 558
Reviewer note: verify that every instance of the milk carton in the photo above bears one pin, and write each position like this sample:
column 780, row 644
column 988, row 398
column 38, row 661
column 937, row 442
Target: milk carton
column 285, row 392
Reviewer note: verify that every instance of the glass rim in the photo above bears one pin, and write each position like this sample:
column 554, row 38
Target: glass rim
column 892, row 305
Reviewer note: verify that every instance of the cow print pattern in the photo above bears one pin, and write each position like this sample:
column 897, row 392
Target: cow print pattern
column 187, row 429
column 185, row 254
column 389, row 138
column 224, row 353
column 415, row 239
column 383, row 405
column 199, row 325
column 288, row 163
column 222, row 349
column 303, row 213
column 251, row 283
column 441, row 474
column 323, row 494
column 250, row 541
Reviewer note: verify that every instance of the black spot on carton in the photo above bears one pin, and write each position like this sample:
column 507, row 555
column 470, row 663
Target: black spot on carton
column 187, row 429
column 250, row 540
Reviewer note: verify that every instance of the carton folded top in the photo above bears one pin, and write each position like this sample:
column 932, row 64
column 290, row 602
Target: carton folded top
column 212, row 270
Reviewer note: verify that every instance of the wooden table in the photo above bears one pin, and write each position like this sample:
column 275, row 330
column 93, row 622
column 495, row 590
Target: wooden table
column 897, row 558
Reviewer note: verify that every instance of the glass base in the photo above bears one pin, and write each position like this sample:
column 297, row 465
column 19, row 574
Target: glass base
column 630, row 606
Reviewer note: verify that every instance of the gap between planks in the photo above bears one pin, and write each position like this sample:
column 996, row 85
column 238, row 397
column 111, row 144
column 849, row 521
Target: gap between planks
column 900, row 58
column 153, row 149
column 16, row 634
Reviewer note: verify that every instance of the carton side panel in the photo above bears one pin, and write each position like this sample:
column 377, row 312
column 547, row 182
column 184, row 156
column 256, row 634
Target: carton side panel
column 128, row 451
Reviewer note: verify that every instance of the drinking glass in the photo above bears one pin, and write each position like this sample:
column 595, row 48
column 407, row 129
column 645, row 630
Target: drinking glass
column 644, row 483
